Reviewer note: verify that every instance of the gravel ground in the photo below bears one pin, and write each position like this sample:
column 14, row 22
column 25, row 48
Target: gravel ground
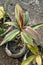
column 35, row 9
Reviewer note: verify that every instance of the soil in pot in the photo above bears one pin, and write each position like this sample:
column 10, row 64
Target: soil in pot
column 15, row 46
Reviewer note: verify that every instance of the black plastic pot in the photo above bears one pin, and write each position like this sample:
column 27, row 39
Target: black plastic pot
column 11, row 50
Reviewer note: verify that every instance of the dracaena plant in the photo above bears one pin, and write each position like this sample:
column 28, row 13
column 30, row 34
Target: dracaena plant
column 21, row 27
column 26, row 32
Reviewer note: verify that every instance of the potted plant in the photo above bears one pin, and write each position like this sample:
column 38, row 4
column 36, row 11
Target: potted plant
column 22, row 33
column 15, row 43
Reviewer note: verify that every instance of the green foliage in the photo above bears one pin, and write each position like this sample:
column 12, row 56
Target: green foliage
column 34, row 49
column 1, row 31
column 17, row 25
column 32, row 33
column 26, row 32
column 28, row 60
column 3, row 18
column 9, row 36
column 37, row 26
column 26, row 18
column 26, row 38
column 37, row 57
column 32, row 58
column 12, row 24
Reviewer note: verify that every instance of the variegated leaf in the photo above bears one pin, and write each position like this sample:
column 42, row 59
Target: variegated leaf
column 19, row 15
column 26, row 18
column 9, row 36
column 12, row 24
column 32, row 33
column 26, row 38
column 37, row 26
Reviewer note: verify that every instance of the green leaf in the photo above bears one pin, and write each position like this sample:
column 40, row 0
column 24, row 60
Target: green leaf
column 12, row 24
column 26, row 18
column 32, row 33
column 34, row 49
column 1, row 31
column 19, row 15
column 26, row 38
column 37, row 26
column 7, row 30
column 28, row 60
column 9, row 36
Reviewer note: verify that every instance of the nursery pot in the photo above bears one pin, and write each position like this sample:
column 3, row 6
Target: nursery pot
column 14, row 51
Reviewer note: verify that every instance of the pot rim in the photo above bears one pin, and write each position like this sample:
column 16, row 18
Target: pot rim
column 17, row 55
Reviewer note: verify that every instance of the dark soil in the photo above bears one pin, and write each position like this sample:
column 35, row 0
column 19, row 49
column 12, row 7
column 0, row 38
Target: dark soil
column 35, row 9
column 15, row 46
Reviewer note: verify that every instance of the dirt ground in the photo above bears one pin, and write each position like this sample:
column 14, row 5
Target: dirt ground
column 35, row 9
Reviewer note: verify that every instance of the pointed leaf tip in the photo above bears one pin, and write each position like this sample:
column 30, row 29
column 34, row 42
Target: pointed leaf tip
column 19, row 15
